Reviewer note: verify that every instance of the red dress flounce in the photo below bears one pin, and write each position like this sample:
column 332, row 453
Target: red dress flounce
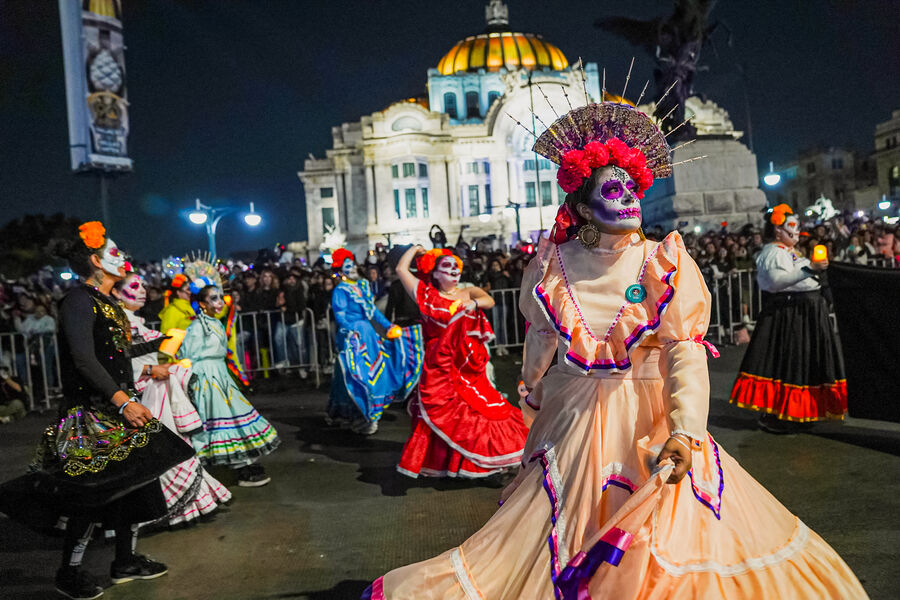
column 461, row 425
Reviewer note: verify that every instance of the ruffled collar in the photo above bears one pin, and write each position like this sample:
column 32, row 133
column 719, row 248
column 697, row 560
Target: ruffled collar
column 587, row 350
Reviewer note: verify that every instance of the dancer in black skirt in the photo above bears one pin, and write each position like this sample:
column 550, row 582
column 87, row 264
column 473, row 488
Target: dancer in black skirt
column 793, row 371
column 100, row 461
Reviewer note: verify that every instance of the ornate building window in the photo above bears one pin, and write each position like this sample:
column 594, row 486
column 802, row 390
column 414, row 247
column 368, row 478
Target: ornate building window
column 491, row 97
column 450, row 104
column 410, row 184
column 473, row 111
column 474, row 204
column 411, row 203
column 327, row 218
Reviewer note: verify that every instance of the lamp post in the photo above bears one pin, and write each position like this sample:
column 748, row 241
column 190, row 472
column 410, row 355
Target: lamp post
column 210, row 216
column 771, row 178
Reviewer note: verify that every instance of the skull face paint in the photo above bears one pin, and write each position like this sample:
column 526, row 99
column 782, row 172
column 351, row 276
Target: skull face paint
column 214, row 302
column 112, row 261
column 446, row 273
column 788, row 233
column 133, row 293
column 349, row 270
column 614, row 207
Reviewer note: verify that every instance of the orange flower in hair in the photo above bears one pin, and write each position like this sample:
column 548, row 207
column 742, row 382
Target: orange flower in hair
column 178, row 281
column 779, row 214
column 93, row 234
column 426, row 262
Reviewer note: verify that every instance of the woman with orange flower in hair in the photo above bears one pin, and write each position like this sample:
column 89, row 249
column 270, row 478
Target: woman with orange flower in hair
column 372, row 369
column 100, row 460
column 793, row 371
column 462, row 426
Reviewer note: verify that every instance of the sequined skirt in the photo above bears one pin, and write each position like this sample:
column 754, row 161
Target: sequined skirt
column 91, row 464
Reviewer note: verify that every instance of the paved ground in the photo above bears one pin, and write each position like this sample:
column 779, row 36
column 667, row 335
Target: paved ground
column 337, row 515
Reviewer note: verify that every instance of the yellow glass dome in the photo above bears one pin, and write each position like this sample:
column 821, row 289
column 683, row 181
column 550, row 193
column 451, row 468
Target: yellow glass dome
column 492, row 51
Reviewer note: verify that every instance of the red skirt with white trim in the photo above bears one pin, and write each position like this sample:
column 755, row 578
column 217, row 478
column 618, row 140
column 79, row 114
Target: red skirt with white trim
column 793, row 367
column 461, row 425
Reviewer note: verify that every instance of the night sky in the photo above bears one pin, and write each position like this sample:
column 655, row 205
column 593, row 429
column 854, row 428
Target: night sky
column 227, row 98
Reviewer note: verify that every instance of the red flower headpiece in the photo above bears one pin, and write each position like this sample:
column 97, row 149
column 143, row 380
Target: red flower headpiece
column 577, row 165
column 426, row 262
column 93, row 234
column 178, row 281
column 339, row 256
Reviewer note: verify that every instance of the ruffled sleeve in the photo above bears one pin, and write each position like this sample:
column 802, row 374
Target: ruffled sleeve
column 680, row 336
column 540, row 339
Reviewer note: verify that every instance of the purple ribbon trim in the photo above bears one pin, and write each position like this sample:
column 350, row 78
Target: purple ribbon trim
column 573, row 581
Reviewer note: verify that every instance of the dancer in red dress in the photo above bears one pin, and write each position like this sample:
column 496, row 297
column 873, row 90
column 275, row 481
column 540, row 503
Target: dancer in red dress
column 461, row 425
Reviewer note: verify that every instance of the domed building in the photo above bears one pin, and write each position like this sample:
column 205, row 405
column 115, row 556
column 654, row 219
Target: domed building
column 457, row 158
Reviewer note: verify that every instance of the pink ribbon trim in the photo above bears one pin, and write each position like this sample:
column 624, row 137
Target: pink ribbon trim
column 619, row 538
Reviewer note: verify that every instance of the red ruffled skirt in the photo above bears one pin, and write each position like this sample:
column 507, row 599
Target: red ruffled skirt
column 461, row 425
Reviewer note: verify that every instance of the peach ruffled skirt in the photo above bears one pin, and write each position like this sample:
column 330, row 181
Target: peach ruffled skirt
column 587, row 516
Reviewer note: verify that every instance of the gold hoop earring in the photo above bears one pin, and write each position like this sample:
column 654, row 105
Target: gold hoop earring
column 589, row 235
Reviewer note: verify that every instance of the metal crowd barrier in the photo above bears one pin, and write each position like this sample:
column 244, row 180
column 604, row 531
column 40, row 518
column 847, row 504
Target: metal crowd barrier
column 275, row 341
column 884, row 263
column 34, row 361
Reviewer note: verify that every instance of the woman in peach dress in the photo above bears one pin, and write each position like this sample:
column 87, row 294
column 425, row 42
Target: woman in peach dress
column 622, row 492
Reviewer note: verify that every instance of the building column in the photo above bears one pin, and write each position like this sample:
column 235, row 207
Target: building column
column 371, row 197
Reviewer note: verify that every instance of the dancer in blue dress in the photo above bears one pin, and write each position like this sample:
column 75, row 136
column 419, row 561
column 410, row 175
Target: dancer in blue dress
column 371, row 370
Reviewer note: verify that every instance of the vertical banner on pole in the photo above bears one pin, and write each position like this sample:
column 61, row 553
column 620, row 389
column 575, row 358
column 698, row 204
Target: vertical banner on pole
column 94, row 58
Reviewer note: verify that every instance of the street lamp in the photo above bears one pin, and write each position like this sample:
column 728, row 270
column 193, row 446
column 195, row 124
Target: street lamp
column 210, row 216
column 507, row 208
column 884, row 204
column 771, row 178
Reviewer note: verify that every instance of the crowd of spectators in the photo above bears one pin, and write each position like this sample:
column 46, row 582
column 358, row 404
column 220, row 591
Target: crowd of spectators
column 292, row 296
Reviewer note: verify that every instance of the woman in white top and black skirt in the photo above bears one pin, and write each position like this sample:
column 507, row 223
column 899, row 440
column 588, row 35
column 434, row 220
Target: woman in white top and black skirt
column 793, row 371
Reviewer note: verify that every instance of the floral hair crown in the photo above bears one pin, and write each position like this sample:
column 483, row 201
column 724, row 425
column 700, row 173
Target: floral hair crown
column 425, row 263
column 780, row 214
column 93, row 234
column 577, row 165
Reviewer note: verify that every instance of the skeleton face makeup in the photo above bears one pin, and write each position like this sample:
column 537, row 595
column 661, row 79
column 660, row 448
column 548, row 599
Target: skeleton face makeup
column 613, row 205
column 349, row 270
column 112, row 261
column 133, row 293
column 214, row 302
column 446, row 273
column 788, row 233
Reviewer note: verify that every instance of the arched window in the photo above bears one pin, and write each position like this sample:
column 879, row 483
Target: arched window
column 492, row 96
column 473, row 111
column 450, row 104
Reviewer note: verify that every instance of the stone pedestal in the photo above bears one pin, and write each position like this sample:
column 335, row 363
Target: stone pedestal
column 721, row 187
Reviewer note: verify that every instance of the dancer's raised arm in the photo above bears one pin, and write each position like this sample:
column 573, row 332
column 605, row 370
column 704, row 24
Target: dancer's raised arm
column 410, row 282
